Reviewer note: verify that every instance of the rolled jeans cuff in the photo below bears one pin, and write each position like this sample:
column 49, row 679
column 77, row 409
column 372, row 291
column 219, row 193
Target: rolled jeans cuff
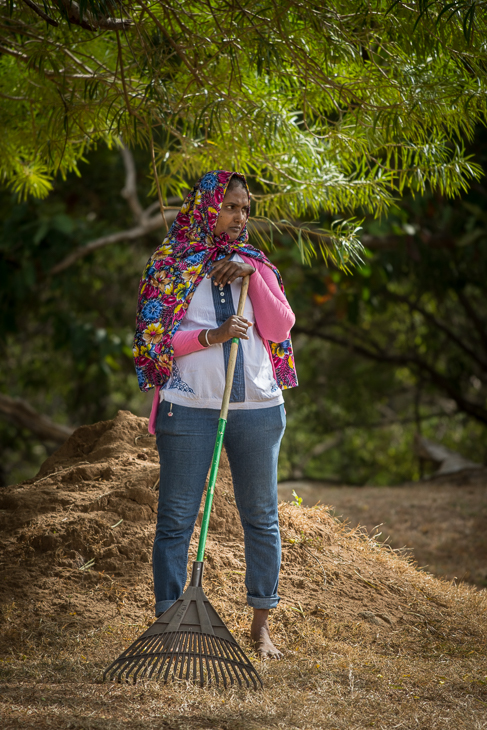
column 259, row 602
column 162, row 606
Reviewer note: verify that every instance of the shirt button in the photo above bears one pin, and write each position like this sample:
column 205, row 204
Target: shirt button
column 223, row 301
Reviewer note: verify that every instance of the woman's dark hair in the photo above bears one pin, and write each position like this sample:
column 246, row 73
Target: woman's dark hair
column 236, row 182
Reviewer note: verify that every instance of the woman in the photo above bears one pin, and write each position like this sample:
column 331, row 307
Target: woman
column 185, row 322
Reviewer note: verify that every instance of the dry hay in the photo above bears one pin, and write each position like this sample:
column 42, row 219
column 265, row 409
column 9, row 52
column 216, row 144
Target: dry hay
column 369, row 640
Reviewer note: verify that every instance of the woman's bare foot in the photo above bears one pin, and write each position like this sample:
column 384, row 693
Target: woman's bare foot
column 259, row 633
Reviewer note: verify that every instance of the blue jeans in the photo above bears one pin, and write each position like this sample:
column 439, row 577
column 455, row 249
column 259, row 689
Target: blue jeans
column 185, row 442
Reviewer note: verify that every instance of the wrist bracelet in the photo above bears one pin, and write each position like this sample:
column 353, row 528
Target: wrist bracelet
column 206, row 338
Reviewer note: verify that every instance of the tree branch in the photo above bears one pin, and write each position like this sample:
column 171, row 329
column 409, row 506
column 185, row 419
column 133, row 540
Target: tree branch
column 156, row 181
column 148, row 226
column 129, row 192
column 472, row 409
column 448, row 461
column 479, row 324
column 88, row 21
column 22, row 414
column 146, row 222
column 177, row 48
column 322, row 447
column 41, row 13
column 440, row 326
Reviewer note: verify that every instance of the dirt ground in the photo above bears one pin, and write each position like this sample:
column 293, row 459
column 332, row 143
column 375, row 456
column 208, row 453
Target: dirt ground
column 443, row 524
column 368, row 640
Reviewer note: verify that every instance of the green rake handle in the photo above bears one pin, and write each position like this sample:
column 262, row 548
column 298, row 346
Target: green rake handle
column 215, row 462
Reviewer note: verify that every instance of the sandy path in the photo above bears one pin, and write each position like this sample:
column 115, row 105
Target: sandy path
column 445, row 526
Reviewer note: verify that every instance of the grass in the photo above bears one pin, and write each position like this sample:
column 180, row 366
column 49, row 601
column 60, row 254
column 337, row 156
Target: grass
column 369, row 640
column 422, row 666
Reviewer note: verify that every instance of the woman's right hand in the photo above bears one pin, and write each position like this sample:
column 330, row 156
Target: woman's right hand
column 233, row 327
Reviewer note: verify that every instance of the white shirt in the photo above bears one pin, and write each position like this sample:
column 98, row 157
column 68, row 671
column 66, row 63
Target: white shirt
column 198, row 379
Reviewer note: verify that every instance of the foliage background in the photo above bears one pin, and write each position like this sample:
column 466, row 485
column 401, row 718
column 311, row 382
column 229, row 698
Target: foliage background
column 67, row 338
column 337, row 112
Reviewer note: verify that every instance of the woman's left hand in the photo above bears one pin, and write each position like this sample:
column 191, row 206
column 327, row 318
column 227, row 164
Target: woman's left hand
column 226, row 271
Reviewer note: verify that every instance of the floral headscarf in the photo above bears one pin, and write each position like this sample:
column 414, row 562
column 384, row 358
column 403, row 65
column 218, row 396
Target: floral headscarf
column 174, row 271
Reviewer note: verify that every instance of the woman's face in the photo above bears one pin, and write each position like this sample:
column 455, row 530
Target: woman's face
column 233, row 214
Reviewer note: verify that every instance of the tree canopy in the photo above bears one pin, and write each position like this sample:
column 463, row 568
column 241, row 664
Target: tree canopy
column 329, row 107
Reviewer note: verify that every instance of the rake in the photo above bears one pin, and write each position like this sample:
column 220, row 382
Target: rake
column 190, row 641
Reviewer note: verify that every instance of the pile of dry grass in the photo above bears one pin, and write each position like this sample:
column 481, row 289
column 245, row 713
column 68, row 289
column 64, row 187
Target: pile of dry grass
column 369, row 641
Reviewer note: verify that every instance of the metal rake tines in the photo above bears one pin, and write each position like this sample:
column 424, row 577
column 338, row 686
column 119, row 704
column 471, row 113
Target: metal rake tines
column 186, row 655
